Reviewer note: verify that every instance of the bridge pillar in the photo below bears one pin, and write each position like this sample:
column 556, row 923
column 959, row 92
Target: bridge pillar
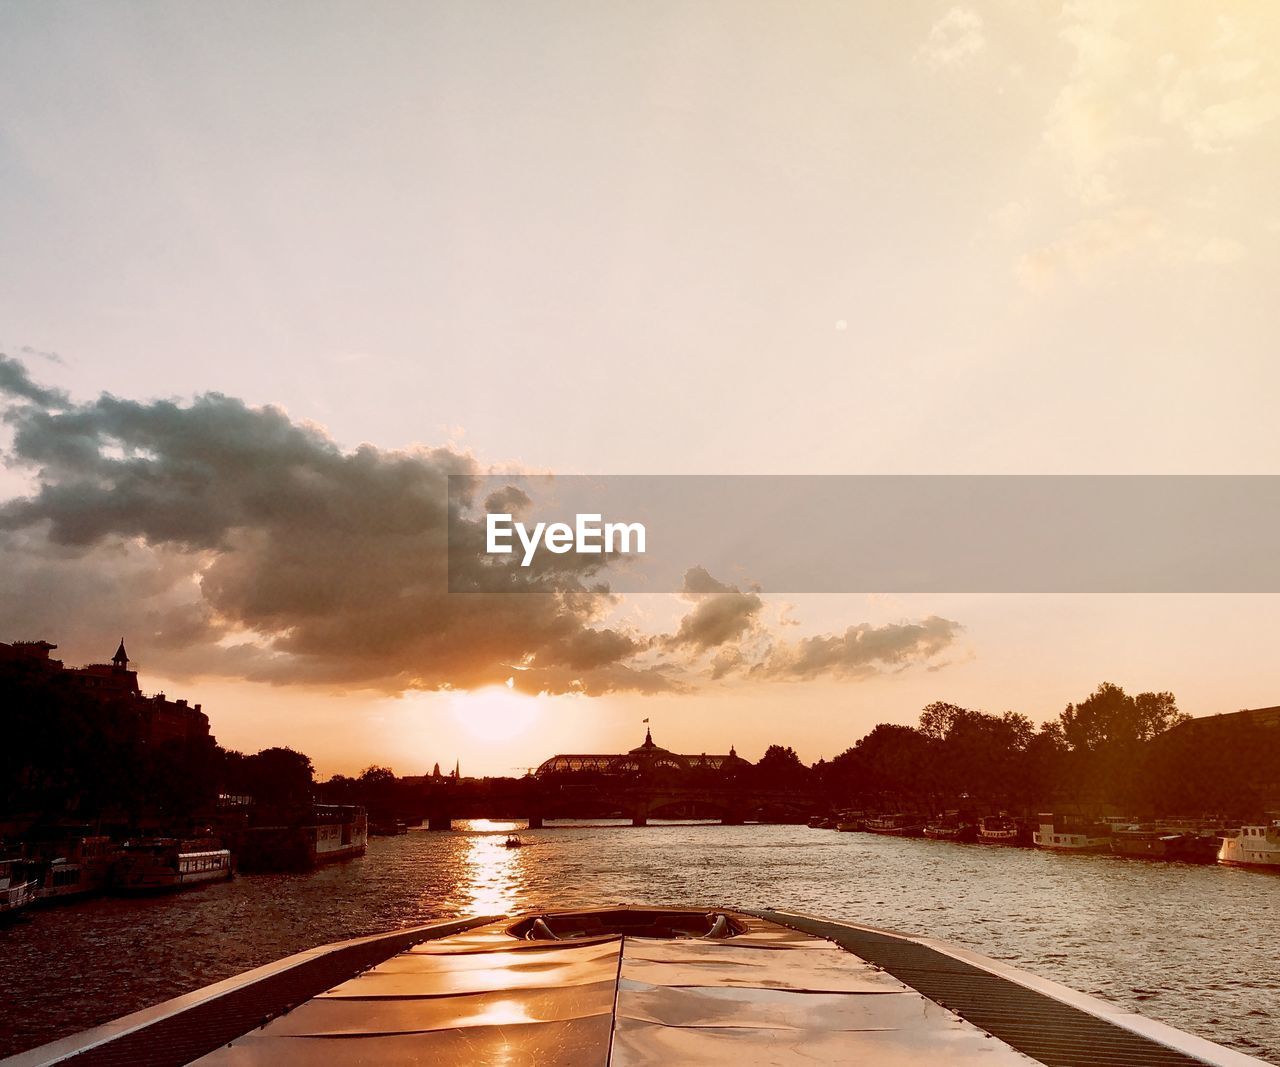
column 535, row 822
column 640, row 816
column 439, row 822
column 731, row 818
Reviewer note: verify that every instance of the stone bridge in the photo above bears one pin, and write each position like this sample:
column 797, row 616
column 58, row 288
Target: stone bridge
column 639, row 802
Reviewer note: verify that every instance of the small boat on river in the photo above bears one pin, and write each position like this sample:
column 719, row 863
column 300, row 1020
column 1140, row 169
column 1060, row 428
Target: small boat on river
column 72, row 866
column 631, row 986
column 513, row 841
column 894, row 825
column 1155, row 843
column 1252, row 846
column 163, row 864
column 18, row 887
column 1065, row 835
column 1002, row 829
column 951, row 827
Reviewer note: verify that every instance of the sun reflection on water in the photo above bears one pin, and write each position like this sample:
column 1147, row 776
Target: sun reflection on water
column 493, row 875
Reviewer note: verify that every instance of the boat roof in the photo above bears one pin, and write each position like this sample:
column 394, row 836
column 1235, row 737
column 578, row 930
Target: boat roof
column 636, row 986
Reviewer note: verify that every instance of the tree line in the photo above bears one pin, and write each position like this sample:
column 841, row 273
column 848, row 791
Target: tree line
column 1133, row 753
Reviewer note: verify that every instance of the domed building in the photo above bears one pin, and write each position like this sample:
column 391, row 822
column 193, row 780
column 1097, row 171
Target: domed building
column 645, row 759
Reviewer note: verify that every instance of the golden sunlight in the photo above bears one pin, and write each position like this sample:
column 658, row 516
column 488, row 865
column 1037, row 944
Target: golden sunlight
column 493, row 713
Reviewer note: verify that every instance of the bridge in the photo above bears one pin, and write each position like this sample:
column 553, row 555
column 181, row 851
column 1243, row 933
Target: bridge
column 648, row 782
column 637, row 801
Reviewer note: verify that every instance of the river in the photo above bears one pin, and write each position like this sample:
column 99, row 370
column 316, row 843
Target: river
column 1193, row 946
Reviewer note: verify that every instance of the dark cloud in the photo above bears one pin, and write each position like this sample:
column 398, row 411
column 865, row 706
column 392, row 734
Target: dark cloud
column 233, row 540
column 16, row 382
column 276, row 554
column 722, row 613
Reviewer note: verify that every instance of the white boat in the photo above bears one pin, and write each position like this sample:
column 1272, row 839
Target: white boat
column 17, row 887
column 1064, row 837
column 630, row 986
column 341, row 831
column 1252, row 846
column 163, row 864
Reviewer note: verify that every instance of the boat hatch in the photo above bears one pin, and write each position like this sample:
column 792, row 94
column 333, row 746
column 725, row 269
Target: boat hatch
column 627, row 922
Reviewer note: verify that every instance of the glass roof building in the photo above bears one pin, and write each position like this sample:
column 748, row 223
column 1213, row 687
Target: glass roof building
column 644, row 759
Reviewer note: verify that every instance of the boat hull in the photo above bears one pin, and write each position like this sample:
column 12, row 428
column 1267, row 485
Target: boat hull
column 1174, row 848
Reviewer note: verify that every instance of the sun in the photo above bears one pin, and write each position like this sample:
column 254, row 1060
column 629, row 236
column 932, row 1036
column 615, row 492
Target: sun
column 493, row 713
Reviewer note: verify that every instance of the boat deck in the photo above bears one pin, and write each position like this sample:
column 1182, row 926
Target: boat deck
column 592, row 988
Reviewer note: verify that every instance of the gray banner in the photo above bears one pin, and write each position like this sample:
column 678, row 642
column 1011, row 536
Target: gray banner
column 856, row 533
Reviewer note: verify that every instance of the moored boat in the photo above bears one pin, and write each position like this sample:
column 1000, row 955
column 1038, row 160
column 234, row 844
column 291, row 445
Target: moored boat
column 1068, row 836
column 69, row 867
column 898, row 825
column 341, row 831
column 1002, row 829
column 158, row 865
column 1150, row 842
column 1255, row 845
column 951, row 827
column 17, row 887
column 628, row 986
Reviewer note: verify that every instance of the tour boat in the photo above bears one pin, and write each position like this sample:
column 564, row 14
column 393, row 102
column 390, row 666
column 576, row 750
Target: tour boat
column 17, row 886
column 1252, row 846
column 72, row 867
column 341, row 831
column 1067, row 837
column 629, row 986
column 1002, row 829
column 894, row 825
column 1151, row 842
column 161, row 864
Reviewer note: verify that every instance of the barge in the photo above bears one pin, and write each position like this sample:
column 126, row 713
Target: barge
column 1069, row 836
column 628, row 986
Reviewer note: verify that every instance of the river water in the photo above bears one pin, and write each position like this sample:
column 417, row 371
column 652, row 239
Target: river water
column 1193, row 946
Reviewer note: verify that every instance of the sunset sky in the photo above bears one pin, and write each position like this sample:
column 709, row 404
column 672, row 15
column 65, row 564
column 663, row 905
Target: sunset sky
column 740, row 238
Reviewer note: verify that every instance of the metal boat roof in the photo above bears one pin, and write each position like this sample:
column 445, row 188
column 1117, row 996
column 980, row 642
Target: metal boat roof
column 636, row 986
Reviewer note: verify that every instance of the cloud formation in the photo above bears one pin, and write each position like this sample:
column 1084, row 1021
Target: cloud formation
column 235, row 540
column 15, row 381
column 954, row 38
column 722, row 613
column 861, row 650
column 1154, row 137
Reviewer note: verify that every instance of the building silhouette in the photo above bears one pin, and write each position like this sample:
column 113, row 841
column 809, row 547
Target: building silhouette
column 645, row 759
column 115, row 687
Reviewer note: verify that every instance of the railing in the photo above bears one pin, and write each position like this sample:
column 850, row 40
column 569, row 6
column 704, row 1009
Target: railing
column 16, row 894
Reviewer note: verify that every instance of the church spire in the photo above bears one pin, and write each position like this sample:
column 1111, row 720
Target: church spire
column 121, row 658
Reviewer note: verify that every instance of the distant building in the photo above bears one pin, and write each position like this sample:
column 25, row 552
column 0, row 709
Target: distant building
column 1250, row 716
column 645, row 758
column 116, row 687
